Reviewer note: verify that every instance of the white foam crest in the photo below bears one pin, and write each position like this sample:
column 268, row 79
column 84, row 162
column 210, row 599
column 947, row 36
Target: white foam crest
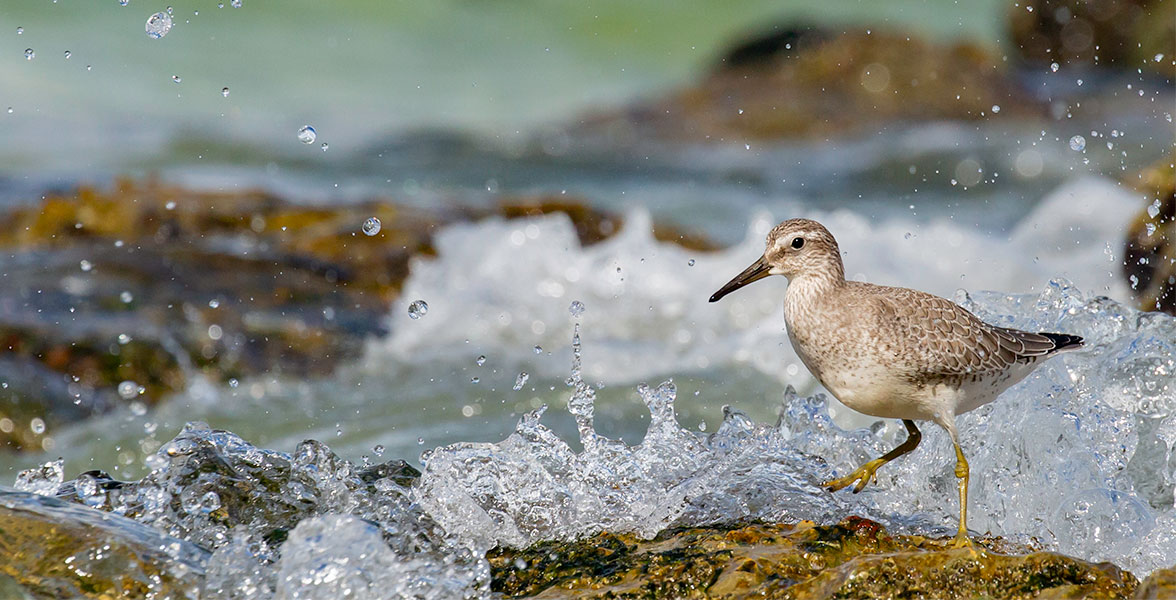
column 504, row 286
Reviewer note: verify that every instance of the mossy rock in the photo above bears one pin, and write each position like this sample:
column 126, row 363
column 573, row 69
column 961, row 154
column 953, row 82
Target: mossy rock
column 854, row 559
column 1126, row 34
column 1150, row 254
column 801, row 82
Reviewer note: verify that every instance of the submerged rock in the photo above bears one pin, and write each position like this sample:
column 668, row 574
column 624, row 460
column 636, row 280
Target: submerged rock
column 801, row 82
column 856, row 558
column 53, row 549
column 1150, row 256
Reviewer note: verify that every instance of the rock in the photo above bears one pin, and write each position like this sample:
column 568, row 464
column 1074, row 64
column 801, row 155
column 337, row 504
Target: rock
column 800, row 82
column 1160, row 584
column 856, row 558
column 53, row 549
column 1124, row 33
column 1150, row 254
column 149, row 284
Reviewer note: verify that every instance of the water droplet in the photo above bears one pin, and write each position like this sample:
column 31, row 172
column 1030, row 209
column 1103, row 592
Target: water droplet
column 907, row 235
column 1153, row 209
column 20, row 31
column 123, row 2
column 307, row 134
column 420, row 441
column 10, row 110
column 171, row 205
column 325, row 146
column 481, row 360
column 1158, row 57
column 225, row 92
column 29, row 54
column 123, row 339
column 209, row 502
column 1077, row 143
column 235, row 3
column 521, row 380
column 214, row 303
column 128, row 389
column 690, row 262
column 418, row 309
column 995, row 108
column 158, row 25
column 1054, row 67
column 538, row 349
column 475, row 379
column 576, row 309
column 176, row 79
column 68, row 54
column 126, row 297
column 85, row 265
column 378, row 450
column 37, row 425
column 371, row 226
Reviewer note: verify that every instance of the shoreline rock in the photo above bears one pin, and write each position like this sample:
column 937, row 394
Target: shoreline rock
column 854, row 559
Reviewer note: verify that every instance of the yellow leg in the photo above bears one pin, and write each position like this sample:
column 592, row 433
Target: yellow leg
column 961, row 472
column 865, row 473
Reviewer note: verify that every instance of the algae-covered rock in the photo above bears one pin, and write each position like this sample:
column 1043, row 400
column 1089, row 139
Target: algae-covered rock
column 1150, row 256
column 854, row 559
column 801, row 82
column 53, row 549
column 1124, row 33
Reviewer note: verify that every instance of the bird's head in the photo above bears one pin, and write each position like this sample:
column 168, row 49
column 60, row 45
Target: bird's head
column 795, row 248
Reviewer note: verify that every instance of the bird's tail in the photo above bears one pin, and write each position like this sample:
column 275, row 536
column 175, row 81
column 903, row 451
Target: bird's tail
column 1063, row 341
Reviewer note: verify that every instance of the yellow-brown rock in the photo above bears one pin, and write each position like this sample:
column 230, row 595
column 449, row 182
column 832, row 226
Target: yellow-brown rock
column 826, row 84
column 1150, row 255
column 855, row 559
column 52, row 549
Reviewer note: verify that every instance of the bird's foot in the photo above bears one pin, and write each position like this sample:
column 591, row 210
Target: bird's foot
column 963, row 541
column 862, row 475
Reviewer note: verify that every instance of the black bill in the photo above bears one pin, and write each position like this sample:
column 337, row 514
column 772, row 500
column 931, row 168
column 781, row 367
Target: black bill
column 757, row 271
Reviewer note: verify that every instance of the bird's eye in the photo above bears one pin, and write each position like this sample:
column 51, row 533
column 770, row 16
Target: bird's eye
column 797, row 243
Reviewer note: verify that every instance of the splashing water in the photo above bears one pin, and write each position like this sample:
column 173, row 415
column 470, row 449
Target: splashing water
column 1078, row 456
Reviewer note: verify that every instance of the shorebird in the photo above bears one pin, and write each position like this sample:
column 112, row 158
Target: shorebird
column 892, row 352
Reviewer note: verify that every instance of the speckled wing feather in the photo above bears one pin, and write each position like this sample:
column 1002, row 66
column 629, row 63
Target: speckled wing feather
column 947, row 339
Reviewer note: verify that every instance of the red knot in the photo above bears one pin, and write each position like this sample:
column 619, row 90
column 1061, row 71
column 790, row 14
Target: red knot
column 892, row 352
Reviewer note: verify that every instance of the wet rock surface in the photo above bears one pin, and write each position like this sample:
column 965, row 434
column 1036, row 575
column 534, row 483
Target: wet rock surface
column 1150, row 254
column 802, row 82
column 856, row 558
column 53, row 549
column 121, row 296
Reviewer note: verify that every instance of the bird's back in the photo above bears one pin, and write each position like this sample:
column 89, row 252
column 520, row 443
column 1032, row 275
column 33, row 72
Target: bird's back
column 922, row 342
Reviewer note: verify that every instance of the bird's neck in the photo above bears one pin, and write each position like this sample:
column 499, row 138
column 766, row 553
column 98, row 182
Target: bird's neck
column 806, row 291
